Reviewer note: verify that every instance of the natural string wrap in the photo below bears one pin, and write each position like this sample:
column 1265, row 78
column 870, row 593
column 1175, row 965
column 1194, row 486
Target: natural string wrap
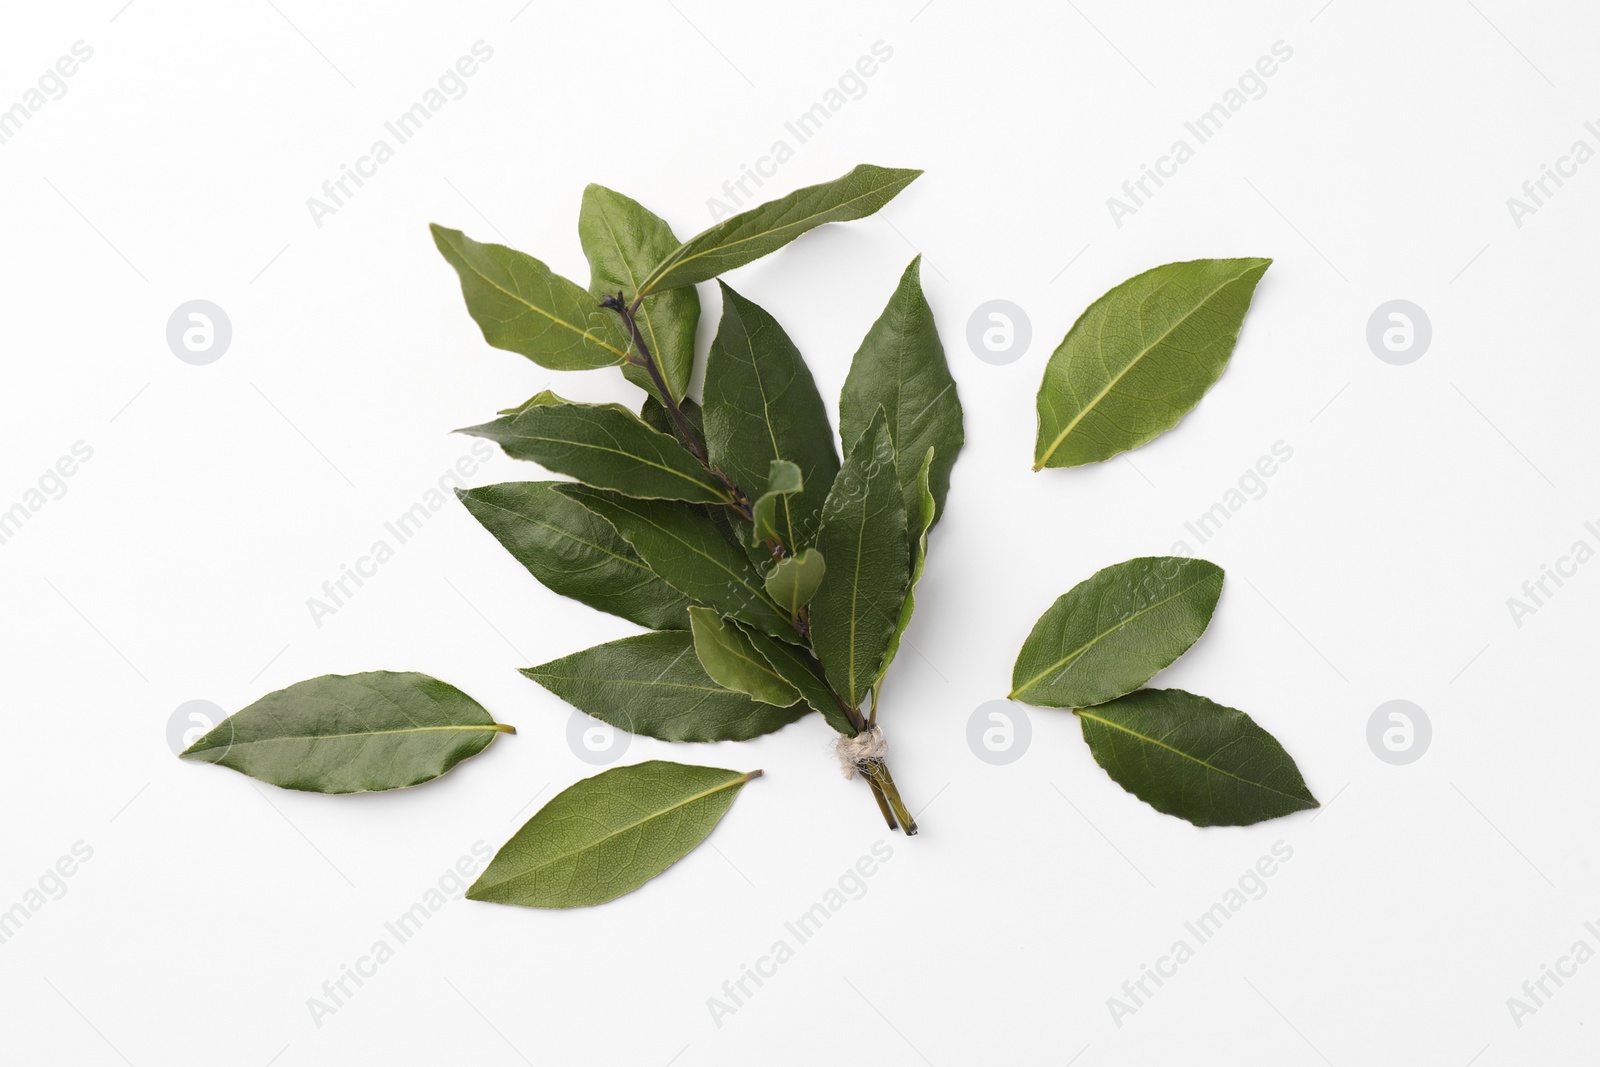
column 864, row 747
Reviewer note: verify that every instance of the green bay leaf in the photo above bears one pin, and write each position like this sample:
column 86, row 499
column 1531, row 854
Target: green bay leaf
column 748, row 236
column 760, row 405
column 523, row 306
column 653, row 684
column 731, row 660
column 901, row 368
column 1187, row 756
column 686, row 549
column 1140, row 358
column 623, row 240
column 793, row 580
column 608, row 835
column 604, row 445
column 1110, row 634
column 352, row 733
column 575, row 553
column 865, row 541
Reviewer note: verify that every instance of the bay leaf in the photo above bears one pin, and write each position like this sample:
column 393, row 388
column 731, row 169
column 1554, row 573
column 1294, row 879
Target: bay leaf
column 731, row 660
column 922, row 521
column 1110, row 634
column 351, row 733
column 606, row 836
column 748, row 236
column 523, row 306
column 654, row 685
column 1187, row 756
column 783, row 479
column 1141, row 357
column 793, row 580
column 623, row 240
column 760, row 405
column 575, row 553
column 684, row 547
column 865, row 541
column 901, row 368
column 604, row 445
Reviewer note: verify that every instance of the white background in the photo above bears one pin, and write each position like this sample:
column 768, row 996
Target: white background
column 1377, row 566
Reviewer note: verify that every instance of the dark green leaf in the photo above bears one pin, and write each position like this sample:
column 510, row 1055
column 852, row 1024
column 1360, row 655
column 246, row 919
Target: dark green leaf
column 575, row 552
column 761, row 405
column 752, row 234
column 866, row 544
column 921, row 522
column 656, row 417
column 1189, row 757
column 608, row 835
column 1140, row 357
column 623, row 241
column 523, row 306
column 686, row 550
column 351, row 733
column 603, row 445
column 900, row 367
column 653, row 684
column 731, row 660
column 1109, row 635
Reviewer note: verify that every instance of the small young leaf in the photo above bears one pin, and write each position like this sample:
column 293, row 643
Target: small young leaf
column 623, row 240
column 604, row 445
column 728, row 657
column 783, row 479
column 1110, row 634
column 901, row 368
column 523, row 306
column 575, row 553
column 865, row 542
column 793, row 581
column 761, row 405
column 608, row 835
column 921, row 522
column 768, row 227
column 351, row 733
column 686, row 550
column 653, row 684
column 655, row 416
column 1140, row 357
column 1187, row 756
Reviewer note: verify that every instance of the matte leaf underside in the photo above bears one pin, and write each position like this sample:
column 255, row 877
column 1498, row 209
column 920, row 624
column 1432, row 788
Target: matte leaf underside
column 608, row 835
column 1140, row 358
column 1187, row 756
column 351, row 733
